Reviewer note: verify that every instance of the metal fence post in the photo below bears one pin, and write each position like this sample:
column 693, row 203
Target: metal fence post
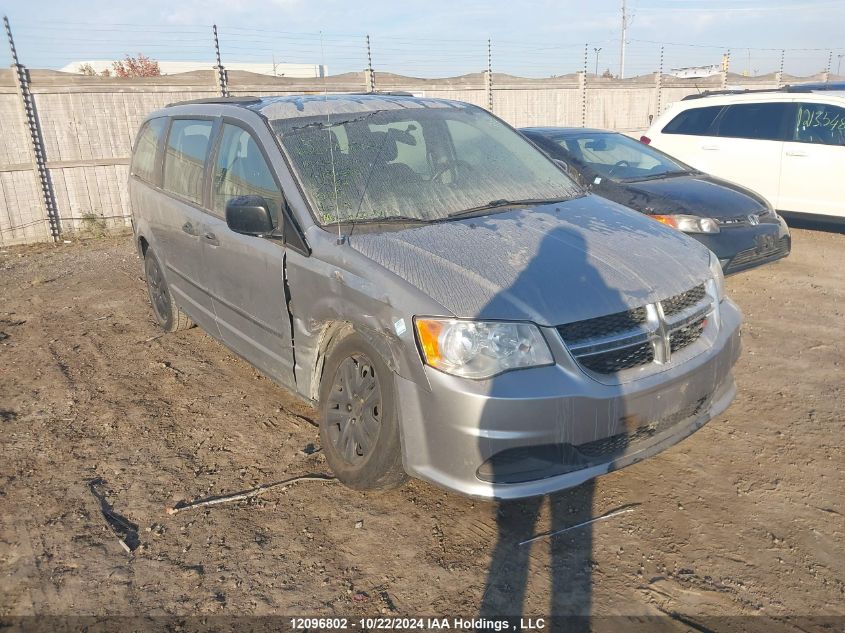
column 371, row 74
column 48, row 197
column 658, row 85
column 219, row 71
column 826, row 74
column 489, row 75
column 583, row 85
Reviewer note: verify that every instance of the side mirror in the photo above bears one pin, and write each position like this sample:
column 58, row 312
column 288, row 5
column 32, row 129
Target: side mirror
column 249, row 215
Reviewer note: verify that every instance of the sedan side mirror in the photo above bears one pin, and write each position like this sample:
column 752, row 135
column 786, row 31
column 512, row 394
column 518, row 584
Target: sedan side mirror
column 249, row 215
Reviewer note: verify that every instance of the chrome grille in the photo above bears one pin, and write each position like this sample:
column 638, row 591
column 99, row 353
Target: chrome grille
column 678, row 303
column 603, row 326
column 639, row 336
column 777, row 248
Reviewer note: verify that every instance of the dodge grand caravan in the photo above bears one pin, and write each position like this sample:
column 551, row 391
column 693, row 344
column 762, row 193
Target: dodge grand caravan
column 454, row 305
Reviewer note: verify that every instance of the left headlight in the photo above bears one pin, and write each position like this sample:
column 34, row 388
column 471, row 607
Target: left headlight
column 480, row 349
column 688, row 223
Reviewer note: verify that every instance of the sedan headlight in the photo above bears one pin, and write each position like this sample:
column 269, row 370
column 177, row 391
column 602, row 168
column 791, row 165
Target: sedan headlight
column 718, row 276
column 480, row 349
column 688, row 223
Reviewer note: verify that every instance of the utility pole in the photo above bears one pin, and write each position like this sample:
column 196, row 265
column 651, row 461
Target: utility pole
column 597, row 50
column 839, row 63
column 624, row 37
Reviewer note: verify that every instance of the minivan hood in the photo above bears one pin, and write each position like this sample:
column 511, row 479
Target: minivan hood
column 550, row 264
column 699, row 195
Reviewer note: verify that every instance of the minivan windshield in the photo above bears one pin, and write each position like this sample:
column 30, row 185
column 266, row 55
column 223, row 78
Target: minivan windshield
column 619, row 157
column 416, row 164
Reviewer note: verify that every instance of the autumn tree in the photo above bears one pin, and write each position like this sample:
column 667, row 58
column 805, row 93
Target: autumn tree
column 140, row 66
column 88, row 70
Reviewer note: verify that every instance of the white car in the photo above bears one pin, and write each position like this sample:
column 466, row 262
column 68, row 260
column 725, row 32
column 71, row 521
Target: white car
column 788, row 145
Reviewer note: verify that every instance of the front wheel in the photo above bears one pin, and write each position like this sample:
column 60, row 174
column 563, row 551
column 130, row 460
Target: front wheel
column 165, row 310
column 359, row 427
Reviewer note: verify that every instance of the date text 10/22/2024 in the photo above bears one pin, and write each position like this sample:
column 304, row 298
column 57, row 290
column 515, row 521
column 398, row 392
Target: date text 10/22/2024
column 418, row 624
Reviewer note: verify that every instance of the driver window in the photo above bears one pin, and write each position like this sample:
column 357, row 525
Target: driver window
column 241, row 170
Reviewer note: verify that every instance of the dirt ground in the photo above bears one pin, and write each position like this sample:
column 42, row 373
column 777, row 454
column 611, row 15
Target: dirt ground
column 743, row 518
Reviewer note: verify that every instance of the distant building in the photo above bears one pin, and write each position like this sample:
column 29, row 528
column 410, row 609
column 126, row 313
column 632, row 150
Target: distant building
column 695, row 72
column 173, row 68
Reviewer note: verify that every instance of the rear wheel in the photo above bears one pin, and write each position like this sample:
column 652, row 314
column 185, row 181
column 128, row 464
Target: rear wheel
column 166, row 313
column 359, row 427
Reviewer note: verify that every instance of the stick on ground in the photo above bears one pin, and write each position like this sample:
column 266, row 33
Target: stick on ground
column 245, row 494
column 623, row 510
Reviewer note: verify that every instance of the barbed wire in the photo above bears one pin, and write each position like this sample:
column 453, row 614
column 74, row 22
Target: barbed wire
column 55, row 45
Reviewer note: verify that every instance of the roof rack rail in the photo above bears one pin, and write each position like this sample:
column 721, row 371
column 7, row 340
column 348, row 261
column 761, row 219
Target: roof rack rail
column 247, row 100
column 385, row 93
column 819, row 85
column 734, row 91
column 808, row 87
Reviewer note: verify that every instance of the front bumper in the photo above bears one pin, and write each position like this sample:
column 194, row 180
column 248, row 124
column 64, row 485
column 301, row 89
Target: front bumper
column 742, row 247
column 536, row 431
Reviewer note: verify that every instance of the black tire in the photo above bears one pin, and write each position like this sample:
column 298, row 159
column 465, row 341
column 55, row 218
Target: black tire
column 359, row 431
column 167, row 314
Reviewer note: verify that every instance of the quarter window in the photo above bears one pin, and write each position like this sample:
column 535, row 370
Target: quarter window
column 695, row 121
column 820, row 123
column 144, row 158
column 241, row 170
column 761, row 121
column 184, row 161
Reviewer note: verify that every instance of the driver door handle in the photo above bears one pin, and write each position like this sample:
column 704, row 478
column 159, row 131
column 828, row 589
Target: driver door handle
column 710, row 147
column 795, row 153
column 211, row 238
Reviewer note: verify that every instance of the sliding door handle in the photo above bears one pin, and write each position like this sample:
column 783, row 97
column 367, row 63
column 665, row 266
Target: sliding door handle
column 211, row 238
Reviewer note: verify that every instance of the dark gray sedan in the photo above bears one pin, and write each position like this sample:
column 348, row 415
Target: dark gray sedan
column 733, row 222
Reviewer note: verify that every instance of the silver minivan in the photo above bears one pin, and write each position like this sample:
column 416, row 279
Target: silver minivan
column 454, row 305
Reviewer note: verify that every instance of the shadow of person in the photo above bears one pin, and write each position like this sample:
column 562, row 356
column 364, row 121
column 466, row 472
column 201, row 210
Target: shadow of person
column 517, row 573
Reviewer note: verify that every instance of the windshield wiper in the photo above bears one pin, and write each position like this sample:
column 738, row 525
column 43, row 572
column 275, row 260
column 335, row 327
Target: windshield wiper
column 665, row 174
column 501, row 202
column 387, row 219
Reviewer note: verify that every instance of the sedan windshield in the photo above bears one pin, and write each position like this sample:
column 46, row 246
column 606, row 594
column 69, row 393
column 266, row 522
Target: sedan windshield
column 416, row 164
column 618, row 157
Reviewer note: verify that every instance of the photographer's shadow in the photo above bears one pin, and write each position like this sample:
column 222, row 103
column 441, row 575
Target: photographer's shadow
column 515, row 578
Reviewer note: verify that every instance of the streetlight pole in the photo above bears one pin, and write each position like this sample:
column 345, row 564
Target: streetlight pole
column 839, row 63
column 597, row 50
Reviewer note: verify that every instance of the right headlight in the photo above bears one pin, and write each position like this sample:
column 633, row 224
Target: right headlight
column 688, row 223
column 480, row 349
column 718, row 276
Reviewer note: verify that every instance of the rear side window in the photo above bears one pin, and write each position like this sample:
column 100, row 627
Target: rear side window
column 695, row 121
column 819, row 123
column 242, row 171
column 761, row 121
column 184, row 159
column 144, row 158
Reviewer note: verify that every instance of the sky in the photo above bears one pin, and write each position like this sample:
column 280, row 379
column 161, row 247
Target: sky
column 438, row 38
